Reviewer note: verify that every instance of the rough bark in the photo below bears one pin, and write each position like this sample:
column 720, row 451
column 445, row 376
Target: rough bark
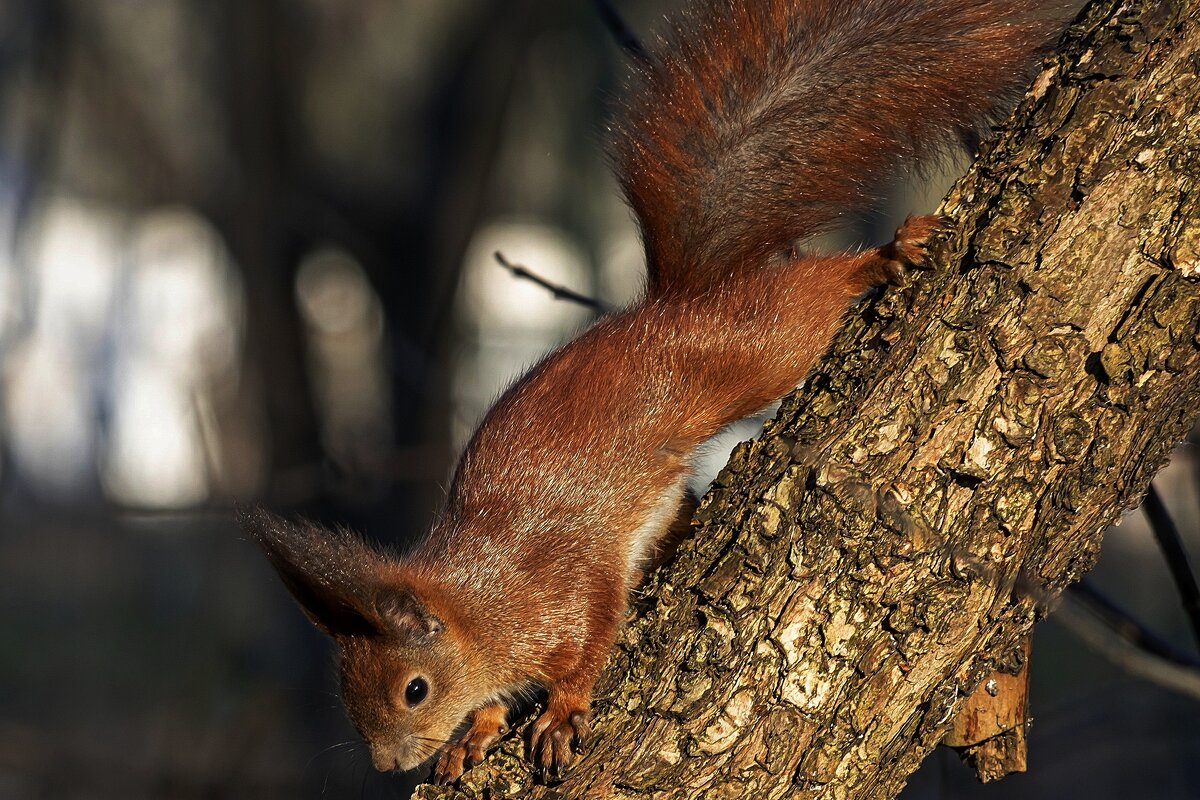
column 945, row 471
column 990, row 730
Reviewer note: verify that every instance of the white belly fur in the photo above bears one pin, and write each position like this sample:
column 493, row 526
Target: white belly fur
column 645, row 537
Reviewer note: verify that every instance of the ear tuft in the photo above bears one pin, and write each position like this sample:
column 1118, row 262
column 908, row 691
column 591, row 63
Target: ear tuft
column 332, row 574
column 404, row 613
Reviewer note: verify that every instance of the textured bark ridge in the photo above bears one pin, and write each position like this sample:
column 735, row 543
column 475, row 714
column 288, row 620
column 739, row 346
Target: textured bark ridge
column 990, row 730
column 946, row 470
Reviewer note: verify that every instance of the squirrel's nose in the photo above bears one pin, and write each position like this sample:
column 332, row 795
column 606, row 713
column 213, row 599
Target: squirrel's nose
column 384, row 760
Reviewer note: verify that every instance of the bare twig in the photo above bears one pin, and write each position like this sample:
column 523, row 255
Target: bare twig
column 1171, row 545
column 559, row 292
column 621, row 31
column 1118, row 648
column 1123, row 624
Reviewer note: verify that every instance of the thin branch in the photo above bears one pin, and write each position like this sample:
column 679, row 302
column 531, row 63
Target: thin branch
column 559, row 292
column 620, row 31
column 1108, row 642
column 1171, row 545
column 1123, row 624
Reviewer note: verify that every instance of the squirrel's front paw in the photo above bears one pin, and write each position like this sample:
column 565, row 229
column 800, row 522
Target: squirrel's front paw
column 451, row 764
column 487, row 725
column 556, row 737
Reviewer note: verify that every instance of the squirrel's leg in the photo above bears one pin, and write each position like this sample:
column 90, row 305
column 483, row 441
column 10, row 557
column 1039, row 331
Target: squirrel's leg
column 753, row 338
column 487, row 725
column 565, row 724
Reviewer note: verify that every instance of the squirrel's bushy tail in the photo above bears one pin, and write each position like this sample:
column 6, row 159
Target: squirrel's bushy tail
column 755, row 123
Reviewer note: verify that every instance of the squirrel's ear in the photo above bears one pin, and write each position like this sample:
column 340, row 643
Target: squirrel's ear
column 330, row 573
column 404, row 612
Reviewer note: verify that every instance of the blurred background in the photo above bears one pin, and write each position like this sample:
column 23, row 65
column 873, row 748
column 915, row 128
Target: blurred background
column 246, row 253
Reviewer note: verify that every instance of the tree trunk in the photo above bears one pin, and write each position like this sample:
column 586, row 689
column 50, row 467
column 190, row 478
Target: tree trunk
column 944, row 473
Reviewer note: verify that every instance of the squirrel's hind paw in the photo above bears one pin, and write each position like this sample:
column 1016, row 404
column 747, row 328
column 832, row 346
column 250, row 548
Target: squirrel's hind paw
column 910, row 248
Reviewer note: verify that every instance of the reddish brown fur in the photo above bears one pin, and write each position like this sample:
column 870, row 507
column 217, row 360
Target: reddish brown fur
column 758, row 124
column 763, row 122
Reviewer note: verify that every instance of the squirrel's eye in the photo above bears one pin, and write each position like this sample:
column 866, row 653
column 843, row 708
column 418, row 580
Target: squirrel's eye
column 416, row 691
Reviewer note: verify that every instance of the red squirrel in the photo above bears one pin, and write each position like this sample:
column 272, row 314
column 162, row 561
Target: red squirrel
column 748, row 127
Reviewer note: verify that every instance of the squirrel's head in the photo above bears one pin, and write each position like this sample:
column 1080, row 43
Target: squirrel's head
column 406, row 681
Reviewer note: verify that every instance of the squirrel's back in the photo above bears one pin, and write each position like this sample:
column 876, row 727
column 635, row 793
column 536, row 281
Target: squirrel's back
column 756, row 123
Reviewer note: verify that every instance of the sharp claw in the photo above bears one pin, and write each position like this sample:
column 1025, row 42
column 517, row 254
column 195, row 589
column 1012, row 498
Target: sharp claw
column 554, row 741
column 583, row 730
column 449, row 768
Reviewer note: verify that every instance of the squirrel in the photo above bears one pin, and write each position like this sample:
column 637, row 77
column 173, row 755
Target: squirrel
column 749, row 127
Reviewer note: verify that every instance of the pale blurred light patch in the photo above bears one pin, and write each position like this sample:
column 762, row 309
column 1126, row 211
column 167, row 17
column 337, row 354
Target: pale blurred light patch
column 155, row 456
column 334, row 294
column 623, row 268
column 49, row 417
column 74, row 255
column 496, row 302
column 9, row 298
column 9, row 317
column 712, row 456
column 345, row 324
column 184, row 301
column 9, row 306
column 179, row 331
column 10, row 287
column 513, row 321
column 49, row 377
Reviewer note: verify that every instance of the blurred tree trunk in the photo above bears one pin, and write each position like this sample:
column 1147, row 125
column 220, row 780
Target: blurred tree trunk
column 252, row 213
column 946, row 471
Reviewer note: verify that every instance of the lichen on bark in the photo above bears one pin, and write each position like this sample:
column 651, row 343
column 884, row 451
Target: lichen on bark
column 946, row 470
